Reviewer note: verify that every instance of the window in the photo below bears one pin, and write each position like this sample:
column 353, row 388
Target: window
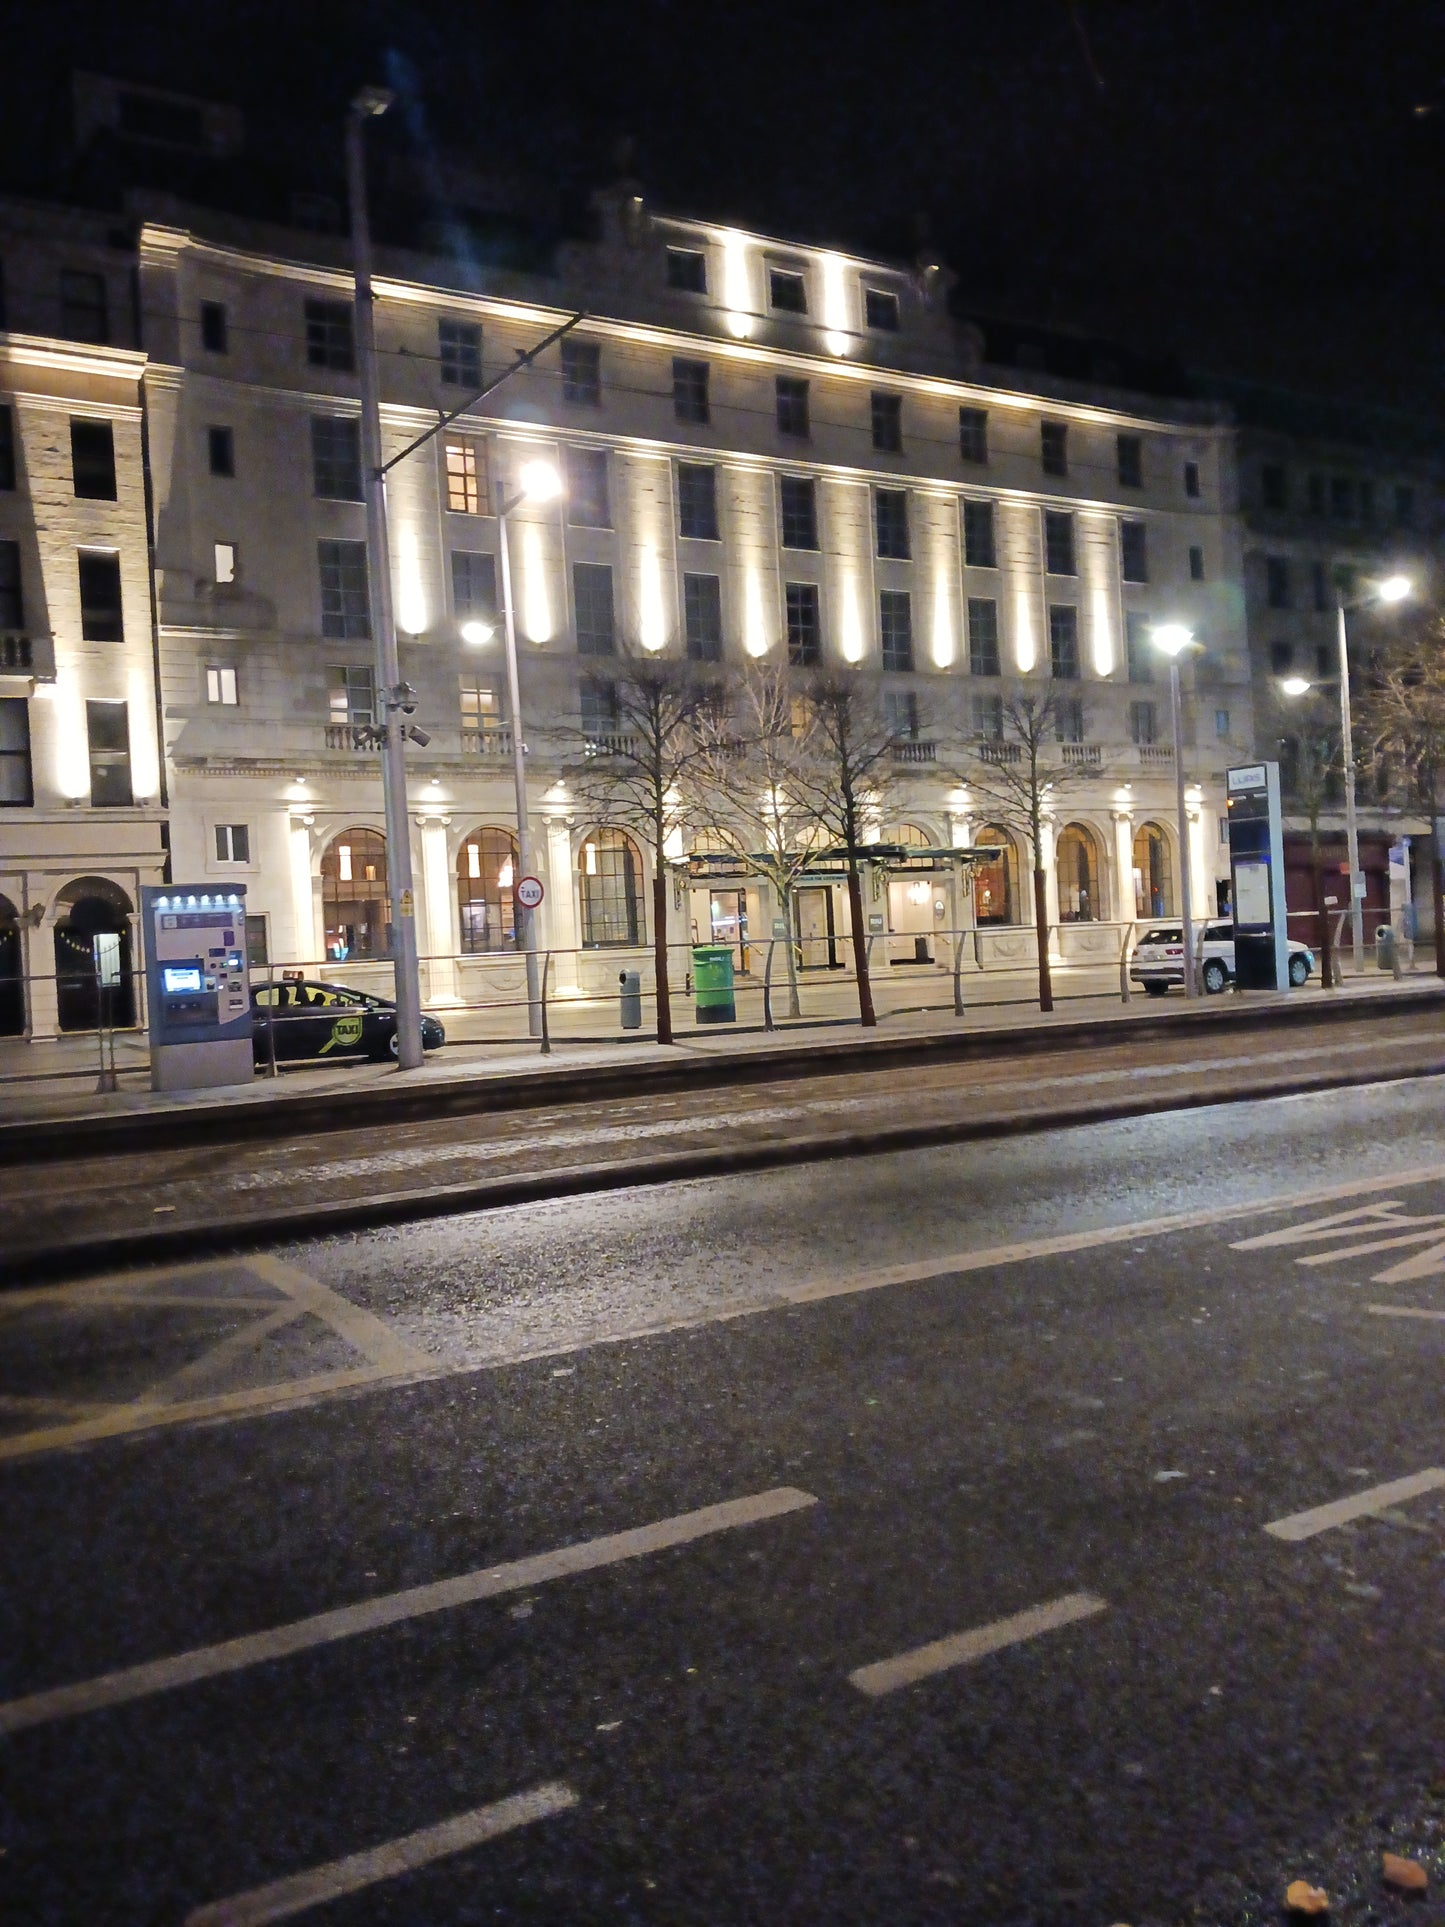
column 233, row 842
column 345, row 607
column 900, row 714
column 1342, row 498
column 1058, row 542
column 1274, row 485
column 973, row 434
column 610, row 875
column 1064, row 641
column 1276, row 581
column 1138, row 648
column 474, row 586
column 982, row 636
column 1143, row 727
column 792, row 405
column 1281, row 658
column 107, row 730
column 354, row 896
column 224, row 557
column 592, row 594
column 465, row 465
column 979, row 551
column 581, row 372
column 1324, row 659
column 329, row 342
column 598, row 701
column 1404, row 504
column 336, row 457
column 887, row 414
column 221, row 684
column 1191, row 479
column 880, row 310
column 697, row 502
column 17, row 786
column 787, row 291
column 1134, row 551
column 689, row 390
column 804, row 626
column 213, row 327
column 486, row 870
column 101, row 618
column 895, row 629
column 351, row 694
column 92, row 460
column 1130, row 451
column 1196, row 563
column 481, row 712
column 221, row 451
column 687, row 270
column 83, row 315
column 7, row 448
column 12, row 599
column 1319, row 586
column 1221, row 730
column 587, row 497
column 702, row 617
column 798, row 515
column 1317, row 494
column 459, row 349
column 1069, row 720
column 890, row 523
column 1054, row 447
column 988, row 718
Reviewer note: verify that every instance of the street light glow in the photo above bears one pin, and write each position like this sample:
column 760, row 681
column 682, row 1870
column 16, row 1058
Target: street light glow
column 1295, row 685
column 540, row 481
column 1172, row 637
column 477, row 632
column 1394, row 588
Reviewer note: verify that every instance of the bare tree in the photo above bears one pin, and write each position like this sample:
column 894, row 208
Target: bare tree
column 841, row 777
column 751, row 777
column 1402, row 713
column 1309, row 736
column 640, row 771
column 1018, row 777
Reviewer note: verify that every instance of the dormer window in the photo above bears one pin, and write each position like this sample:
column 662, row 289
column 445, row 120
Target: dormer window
column 787, row 291
column 880, row 309
column 687, row 269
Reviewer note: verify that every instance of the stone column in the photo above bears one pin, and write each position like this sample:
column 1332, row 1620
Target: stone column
column 1124, row 907
column 559, row 908
column 1051, row 884
column 435, row 922
column 37, row 954
column 1201, row 857
column 308, row 939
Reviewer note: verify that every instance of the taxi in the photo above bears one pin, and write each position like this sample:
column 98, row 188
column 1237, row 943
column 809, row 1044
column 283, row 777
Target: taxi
column 323, row 1022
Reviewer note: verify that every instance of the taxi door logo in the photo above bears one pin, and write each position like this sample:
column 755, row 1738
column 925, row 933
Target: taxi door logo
column 345, row 1032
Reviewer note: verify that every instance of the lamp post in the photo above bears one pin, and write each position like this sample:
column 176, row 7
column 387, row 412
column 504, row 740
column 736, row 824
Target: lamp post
column 1393, row 589
column 540, row 482
column 370, row 102
column 1173, row 638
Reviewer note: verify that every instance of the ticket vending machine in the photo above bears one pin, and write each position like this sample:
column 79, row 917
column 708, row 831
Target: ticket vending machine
column 197, row 989
column 1256, row 872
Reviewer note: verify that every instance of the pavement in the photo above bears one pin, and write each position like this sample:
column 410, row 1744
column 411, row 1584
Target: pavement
column 1044, row 1532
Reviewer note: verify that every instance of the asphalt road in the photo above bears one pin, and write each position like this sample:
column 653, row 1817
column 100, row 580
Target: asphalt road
column 884, row 1540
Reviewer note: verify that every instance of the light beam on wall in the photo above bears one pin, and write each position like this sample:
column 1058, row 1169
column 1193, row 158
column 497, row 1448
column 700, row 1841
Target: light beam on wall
column 755, row 625
column 72, row 750
column 737, row 289
column 652, row 618
column 1103, row 634
column 145, row 762
column 536, row 603
column 411, row 612
column 1025, row 651
column 851, row 628
column 942, row 622
column 835, row 305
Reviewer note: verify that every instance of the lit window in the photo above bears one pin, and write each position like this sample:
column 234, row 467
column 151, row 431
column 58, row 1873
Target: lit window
column 233, row 842
column 466, row 479
column 225, row 562
column 220, row 683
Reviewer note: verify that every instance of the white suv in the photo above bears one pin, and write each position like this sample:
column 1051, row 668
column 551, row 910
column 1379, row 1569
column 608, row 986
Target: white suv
column 1158, row 959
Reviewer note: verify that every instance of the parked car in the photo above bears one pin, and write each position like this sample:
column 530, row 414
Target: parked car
column 1158, row 960
column 324, row 1021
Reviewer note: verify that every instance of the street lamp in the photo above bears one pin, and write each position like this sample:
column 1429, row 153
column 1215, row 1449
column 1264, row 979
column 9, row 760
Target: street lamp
column 1394, row 588
column 1173, row 638
column 395, row 694
column 539, row 482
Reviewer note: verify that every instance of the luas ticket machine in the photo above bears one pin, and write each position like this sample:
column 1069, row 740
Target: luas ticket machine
column 196, row 987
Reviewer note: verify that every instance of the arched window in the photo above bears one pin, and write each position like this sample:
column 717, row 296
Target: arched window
column 486, row 873
column 1153, row 873
column 1077, row 863
column 610, row 872
column 353, row 896
column 94, row 982
column 995, row 885
column 908, row 835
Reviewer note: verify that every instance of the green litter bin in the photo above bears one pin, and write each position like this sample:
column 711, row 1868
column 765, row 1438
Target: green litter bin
column 712, row 982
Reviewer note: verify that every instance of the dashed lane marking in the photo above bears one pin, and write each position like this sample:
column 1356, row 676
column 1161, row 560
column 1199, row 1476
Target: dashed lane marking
column 1359, row 1505
column 1404, row 1311
column 300, row 1891
column 962, row 1649
column 389, row 1609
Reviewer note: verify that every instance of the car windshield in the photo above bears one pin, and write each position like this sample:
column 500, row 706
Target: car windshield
column 1163, row 935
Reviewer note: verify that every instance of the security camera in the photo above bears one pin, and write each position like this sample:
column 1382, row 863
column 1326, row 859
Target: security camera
column 403, row 697
column 418, row 736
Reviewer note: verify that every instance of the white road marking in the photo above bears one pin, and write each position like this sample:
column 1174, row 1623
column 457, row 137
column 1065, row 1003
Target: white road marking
column 298, row 1892
column 389, row 1609
column 961, row 1649
column 1404, row 1311
column 1321, row 1518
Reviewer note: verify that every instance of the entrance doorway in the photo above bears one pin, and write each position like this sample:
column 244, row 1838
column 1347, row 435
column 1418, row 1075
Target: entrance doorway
column 817, row 935
column 94, row 981
column 727, row 912
column 910, row 920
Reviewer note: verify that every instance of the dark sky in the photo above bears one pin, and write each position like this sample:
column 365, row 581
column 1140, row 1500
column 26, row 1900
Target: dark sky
column 1253, row 184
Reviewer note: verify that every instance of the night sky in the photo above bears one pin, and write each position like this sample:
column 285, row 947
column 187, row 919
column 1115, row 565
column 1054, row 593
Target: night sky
column 1251, row 185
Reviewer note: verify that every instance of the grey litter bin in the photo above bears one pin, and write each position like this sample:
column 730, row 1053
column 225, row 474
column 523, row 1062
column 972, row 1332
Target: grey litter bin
column 631, row 999
column 1385, row 947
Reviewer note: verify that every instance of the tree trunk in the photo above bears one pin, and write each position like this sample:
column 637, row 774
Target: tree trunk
column 659, row 951
column 1041, row 925
column 1327, row 949
column 866, row 1015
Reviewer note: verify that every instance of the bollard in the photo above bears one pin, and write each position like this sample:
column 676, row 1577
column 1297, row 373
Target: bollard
column 631, row 999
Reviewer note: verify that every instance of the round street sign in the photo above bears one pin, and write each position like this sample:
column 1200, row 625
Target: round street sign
column 529, row 892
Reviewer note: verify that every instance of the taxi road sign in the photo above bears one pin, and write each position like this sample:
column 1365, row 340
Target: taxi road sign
column 530, row 892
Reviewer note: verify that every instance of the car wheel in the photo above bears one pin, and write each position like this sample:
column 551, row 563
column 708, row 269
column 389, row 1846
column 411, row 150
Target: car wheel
column 1215, row 976
column 1299, row 970
column 393, row 1043
column 1156, row 990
